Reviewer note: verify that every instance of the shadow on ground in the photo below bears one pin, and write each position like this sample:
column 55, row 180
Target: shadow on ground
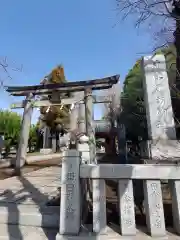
column 11, row 200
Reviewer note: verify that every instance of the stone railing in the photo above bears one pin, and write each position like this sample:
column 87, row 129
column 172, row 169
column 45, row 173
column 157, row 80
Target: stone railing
column 70, row 206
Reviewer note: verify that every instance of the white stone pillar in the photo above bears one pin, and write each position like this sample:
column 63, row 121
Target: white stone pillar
column 154, row 208
column 159, row 112
column 126, row 207
column 70, row 208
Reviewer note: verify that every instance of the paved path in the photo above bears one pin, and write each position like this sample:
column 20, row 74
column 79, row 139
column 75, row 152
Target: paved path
column 23, row 204
column 35, row 233
column 35, row 187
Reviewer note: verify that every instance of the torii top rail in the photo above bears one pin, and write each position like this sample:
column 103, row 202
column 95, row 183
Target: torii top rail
column 98, row 84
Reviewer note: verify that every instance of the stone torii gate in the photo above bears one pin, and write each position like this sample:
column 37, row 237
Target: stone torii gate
column 79, row 104
column 57, row 90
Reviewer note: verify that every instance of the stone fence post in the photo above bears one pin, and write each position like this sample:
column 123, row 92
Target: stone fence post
column 83, row 148
column 70, row 209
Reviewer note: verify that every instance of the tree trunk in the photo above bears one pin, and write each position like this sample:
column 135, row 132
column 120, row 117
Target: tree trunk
column 176, row 101
column 177, row 44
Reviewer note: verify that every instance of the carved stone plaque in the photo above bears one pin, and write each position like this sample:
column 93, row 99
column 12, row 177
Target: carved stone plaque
column 154, row 208
column 159, row 111
column 126, row 207
column 70, row 194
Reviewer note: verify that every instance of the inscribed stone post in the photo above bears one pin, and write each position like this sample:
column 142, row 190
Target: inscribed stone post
column 24, row 134
column 159, row 113
column 126, row 207
column 161, row 132
column 70, row 194
column 154, row 208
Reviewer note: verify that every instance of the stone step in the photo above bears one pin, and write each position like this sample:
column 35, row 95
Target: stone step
column 29, row 215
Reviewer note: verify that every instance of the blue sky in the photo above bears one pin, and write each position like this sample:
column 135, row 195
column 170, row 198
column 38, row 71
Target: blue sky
column 80, row 34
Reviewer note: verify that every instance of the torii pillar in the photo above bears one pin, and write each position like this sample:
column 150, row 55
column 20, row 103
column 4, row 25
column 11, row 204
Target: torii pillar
column 24, row 134
column 88, row 99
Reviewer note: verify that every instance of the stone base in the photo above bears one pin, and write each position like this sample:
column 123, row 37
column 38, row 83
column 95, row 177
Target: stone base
column 85, row 237
column 113, row 234
column 85, row 234
column 162, row 151
column 165, row 150
column 46, row 150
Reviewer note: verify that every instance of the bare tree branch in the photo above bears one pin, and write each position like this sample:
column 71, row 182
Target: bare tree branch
column 6, row 70
column 157, row 16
